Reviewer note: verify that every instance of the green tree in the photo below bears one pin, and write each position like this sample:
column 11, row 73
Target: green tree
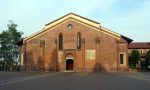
column 148, row 58
column 8, row 39
column 135, row 57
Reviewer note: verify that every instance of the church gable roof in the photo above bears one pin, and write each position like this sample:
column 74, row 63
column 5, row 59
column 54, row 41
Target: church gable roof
column 75, row 16
column 62, row 19
column 78, row 18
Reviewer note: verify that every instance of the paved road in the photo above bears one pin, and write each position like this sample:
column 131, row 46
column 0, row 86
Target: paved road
column 74, row 81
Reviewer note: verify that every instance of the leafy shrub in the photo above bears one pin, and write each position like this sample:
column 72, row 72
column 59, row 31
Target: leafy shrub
column 132, row 67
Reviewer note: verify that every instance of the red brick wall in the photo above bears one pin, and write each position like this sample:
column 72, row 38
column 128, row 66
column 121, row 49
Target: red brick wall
column 107, row 50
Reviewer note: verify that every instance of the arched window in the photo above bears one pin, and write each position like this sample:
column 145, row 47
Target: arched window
column 60, row 41
column 79, row 40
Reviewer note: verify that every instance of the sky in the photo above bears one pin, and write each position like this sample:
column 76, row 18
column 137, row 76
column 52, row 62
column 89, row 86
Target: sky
column 126, row 17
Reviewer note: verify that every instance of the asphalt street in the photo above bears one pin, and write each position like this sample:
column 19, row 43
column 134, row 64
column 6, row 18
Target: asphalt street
column 74, row 81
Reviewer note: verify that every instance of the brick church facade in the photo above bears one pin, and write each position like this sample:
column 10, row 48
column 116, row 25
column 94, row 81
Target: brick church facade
column 75, row 43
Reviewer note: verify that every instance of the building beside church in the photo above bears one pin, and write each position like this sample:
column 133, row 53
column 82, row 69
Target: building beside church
column 142, row 48
column 75, row 43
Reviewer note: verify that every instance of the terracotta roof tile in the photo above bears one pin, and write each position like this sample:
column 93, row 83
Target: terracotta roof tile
column 139, row 45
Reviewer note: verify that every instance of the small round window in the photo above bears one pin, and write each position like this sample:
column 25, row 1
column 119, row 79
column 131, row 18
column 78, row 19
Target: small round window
column 70, row 27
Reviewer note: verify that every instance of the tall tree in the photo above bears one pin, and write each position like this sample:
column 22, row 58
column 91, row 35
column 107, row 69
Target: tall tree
column 8, row 40
column 135, row 57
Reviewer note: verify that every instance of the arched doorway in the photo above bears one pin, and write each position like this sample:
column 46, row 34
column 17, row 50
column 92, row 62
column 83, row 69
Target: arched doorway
column 69, row 62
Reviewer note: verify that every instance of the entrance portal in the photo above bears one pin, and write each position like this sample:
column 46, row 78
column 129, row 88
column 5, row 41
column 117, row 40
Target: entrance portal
column 69, row 64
